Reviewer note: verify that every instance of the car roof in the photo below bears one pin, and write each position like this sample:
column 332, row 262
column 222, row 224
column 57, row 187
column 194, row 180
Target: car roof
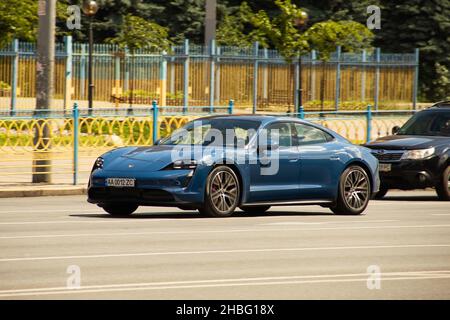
column 263, row 118
column 441, row 105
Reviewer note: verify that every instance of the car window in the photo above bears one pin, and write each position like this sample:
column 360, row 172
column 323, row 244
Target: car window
column 441, row 125
column 310, row 135
column 427, row 124
column 282, row 132
column 205, row 132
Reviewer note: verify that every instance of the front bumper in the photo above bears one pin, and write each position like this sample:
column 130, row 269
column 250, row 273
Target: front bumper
column 160, row 188
column 411, row 174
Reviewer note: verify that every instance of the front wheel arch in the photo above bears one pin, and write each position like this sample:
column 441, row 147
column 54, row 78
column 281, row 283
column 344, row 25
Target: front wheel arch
column 365, row 167
column 237, row 172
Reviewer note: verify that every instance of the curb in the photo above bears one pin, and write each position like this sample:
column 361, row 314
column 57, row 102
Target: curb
column 42, row 192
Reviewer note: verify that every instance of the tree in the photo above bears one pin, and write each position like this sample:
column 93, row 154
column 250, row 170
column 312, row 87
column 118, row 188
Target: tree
column 184, row 18
column 18, row 19
column 411, row 24
column 137, row 33
column 281, row 30
column 326, row 36
column 236, row 30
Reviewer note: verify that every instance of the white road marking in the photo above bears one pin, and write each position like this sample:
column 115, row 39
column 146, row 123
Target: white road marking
column 172, row 253
column 124, row 220
column 257, row 281
column 323, row 222
column 216, row 231
column 31, row 211
column 111, row 220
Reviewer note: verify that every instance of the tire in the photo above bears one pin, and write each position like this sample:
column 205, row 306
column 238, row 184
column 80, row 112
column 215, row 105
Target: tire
column 380, row 194
column 222, row 193
column 353, row 192
column 120, row 209
column 255, row 210
column 443, row 186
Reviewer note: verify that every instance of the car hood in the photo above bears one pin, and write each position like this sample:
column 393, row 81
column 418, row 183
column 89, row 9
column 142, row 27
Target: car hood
column 401, row 142
column 151, row 158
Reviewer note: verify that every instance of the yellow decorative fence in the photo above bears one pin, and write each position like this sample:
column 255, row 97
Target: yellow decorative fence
column 32, row 149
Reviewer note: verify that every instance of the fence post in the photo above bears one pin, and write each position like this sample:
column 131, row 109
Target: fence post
column 313, row 75
column 230, row 106
column 68, row 74
column 265, row 75
column 117, row 91
column 155, row 120
column 377, row 78
column 186, row 76
column 255, row 76
column 363, row 75
column 338, row 79
column 14, row 76
column 217, row 78
column 368, row 123
column 163, row 80
column 297, row 70
column 82, row 70
column 416, row 78
column 75, row 118
column 212, row 75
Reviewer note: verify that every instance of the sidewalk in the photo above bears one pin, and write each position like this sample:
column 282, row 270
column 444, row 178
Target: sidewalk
column 31, row 190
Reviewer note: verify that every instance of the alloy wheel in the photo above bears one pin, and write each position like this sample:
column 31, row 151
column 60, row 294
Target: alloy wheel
column 224, row 191
column 356, row 189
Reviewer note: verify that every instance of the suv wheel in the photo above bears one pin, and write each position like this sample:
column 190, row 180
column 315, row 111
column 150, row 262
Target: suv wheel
column 381, row 193
column 443, row 186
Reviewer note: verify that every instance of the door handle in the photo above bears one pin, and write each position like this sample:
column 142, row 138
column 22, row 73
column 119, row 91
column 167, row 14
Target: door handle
column 335, row 158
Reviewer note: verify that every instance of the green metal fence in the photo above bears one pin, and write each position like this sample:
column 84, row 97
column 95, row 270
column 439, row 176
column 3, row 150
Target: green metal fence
column 256, row 78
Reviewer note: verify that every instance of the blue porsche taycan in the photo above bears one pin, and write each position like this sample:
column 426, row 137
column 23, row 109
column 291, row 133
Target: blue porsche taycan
column 219, row 163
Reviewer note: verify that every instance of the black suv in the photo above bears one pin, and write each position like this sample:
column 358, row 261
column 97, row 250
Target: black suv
column 417, row 155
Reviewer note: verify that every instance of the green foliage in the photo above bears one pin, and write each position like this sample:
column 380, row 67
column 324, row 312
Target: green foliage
column 411, row 24
column 137, row 33
column 281, row 31
column 18, row 19
column 235, row 29
column 326, row 36
column 4, row 86
column 184, row 18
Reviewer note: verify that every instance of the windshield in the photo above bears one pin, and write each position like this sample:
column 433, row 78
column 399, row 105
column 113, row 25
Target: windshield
column 217, row 131
column 427, row 124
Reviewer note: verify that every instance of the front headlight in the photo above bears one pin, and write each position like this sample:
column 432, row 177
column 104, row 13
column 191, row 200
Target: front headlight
column 418, row 154
column 182, row 165
column 98, row 164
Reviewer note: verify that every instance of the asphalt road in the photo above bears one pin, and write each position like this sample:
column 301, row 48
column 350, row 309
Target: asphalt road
column 399, row 250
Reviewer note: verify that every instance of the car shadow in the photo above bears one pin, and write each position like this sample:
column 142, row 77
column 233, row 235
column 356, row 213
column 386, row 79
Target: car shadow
column 196, row 215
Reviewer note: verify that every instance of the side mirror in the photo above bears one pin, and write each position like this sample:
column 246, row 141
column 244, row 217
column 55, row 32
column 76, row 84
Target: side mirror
column 395, row 129
column 157, row 142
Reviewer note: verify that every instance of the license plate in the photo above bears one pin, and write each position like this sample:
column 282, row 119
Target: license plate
column 385, row 167
column 120, row 182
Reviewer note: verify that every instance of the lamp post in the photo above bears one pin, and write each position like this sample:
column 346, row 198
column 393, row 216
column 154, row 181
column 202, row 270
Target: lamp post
column 90, row 8
column 300, row 23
